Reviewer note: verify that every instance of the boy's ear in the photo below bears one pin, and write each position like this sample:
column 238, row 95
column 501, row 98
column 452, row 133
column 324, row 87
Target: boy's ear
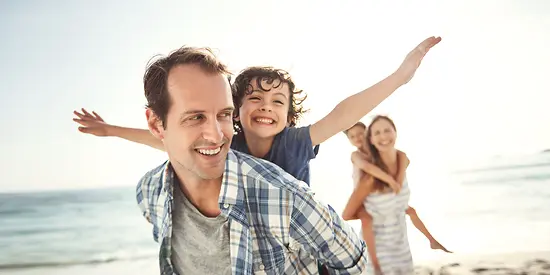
column 155, row 125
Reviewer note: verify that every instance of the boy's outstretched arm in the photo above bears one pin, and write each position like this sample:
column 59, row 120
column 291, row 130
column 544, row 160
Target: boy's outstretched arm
column 92, row 123
column 353, row 108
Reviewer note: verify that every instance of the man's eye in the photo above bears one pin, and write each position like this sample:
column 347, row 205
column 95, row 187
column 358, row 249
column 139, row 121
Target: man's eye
column 197, row 117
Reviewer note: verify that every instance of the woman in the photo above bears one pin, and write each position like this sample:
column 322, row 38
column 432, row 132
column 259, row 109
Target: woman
column 388, row 246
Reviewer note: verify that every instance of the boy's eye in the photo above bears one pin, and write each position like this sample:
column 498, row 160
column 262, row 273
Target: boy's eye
column 254, row 98
column 279, row 102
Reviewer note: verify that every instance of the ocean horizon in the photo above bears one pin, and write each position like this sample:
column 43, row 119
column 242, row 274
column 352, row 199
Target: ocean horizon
column 500, row 207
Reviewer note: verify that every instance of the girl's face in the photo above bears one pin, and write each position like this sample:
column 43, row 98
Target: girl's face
column 356, row 136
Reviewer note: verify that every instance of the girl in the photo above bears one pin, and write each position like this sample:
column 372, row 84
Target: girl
column 381, row 209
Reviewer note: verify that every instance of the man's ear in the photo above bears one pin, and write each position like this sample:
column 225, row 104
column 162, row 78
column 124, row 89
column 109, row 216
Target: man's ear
column 155, row 125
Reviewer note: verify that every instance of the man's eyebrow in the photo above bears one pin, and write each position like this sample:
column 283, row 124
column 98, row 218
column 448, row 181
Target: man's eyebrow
column 228, row 109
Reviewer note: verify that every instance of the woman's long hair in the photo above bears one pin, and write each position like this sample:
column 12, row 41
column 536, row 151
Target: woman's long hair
column 374, row 154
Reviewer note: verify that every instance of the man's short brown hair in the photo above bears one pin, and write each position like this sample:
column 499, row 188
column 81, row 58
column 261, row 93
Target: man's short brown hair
column 156, row 75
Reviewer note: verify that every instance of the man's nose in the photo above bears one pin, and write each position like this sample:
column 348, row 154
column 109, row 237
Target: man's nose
column 212, row 132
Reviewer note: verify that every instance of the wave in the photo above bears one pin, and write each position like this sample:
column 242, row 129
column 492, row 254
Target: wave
column 508, row 179
column 72, row 263
column 505, row 167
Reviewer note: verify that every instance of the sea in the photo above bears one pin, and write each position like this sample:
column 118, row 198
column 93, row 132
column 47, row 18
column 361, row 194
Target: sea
column 502, row 205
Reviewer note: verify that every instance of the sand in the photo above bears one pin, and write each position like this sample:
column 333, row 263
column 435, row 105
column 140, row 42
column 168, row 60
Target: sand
column 533, row 263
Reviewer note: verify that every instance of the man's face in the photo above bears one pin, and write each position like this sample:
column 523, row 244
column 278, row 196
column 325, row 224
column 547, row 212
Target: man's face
column 199, row 124
column 264, row 114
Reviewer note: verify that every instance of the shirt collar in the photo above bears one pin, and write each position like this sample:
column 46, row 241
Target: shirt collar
column 231, row 190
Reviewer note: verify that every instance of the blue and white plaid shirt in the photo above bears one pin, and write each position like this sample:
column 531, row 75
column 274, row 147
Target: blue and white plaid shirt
column 276, row 224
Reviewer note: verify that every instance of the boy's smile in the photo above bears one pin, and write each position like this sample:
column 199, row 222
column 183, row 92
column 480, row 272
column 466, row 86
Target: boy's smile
column 264, row 112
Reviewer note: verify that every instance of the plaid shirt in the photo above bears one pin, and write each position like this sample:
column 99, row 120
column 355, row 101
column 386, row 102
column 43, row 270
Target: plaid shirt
column 276, row 224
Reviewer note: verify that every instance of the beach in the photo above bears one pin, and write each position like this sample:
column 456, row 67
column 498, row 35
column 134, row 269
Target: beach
column 494, row 218
column 534, row 263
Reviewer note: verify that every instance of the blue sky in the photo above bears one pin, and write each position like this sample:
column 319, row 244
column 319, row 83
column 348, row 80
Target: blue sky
column 481, row 92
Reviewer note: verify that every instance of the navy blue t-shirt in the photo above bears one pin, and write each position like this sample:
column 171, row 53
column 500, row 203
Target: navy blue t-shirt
column 291, row 150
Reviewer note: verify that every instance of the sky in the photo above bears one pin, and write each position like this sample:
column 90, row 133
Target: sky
column 480, row 93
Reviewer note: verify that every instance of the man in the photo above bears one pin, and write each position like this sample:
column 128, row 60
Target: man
column 218, row 211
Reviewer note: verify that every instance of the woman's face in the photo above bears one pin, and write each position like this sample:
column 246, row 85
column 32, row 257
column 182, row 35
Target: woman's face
column 383, row 135
column 356, row 136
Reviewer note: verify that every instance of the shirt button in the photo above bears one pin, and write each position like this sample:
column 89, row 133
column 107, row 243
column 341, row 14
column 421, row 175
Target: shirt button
column 225, row 205
column 261, row 267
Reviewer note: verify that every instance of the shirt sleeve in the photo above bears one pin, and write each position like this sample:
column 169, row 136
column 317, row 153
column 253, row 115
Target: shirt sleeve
column 319, row 229
column 147, row 191
column 298, row 141
column 141, row 198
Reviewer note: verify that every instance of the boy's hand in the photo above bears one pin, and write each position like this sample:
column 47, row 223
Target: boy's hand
column 91, row 123
column 414, row 58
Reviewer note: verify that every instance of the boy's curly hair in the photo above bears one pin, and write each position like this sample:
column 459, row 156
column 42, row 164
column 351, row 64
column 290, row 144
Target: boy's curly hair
column 276, row 77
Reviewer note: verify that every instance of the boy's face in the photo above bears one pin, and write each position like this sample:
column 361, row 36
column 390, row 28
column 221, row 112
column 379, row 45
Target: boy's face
column 264, row 114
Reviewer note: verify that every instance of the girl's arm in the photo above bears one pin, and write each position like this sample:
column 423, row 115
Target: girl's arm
column 402, row 164
column 359, row 161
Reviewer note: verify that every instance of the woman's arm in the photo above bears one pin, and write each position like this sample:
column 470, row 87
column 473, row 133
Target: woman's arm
column 355, row 202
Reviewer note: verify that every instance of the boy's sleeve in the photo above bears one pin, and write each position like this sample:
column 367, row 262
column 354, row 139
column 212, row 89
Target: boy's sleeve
column 298, row 141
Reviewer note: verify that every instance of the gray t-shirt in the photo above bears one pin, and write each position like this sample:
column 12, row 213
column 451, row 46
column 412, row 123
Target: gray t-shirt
column 200, row 245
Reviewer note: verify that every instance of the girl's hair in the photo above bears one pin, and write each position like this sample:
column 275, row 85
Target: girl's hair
column 357, row 124
column 374, row 154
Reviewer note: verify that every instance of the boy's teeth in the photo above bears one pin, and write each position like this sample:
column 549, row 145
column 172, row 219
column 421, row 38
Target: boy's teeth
column 210, row 151
column 264, row 120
